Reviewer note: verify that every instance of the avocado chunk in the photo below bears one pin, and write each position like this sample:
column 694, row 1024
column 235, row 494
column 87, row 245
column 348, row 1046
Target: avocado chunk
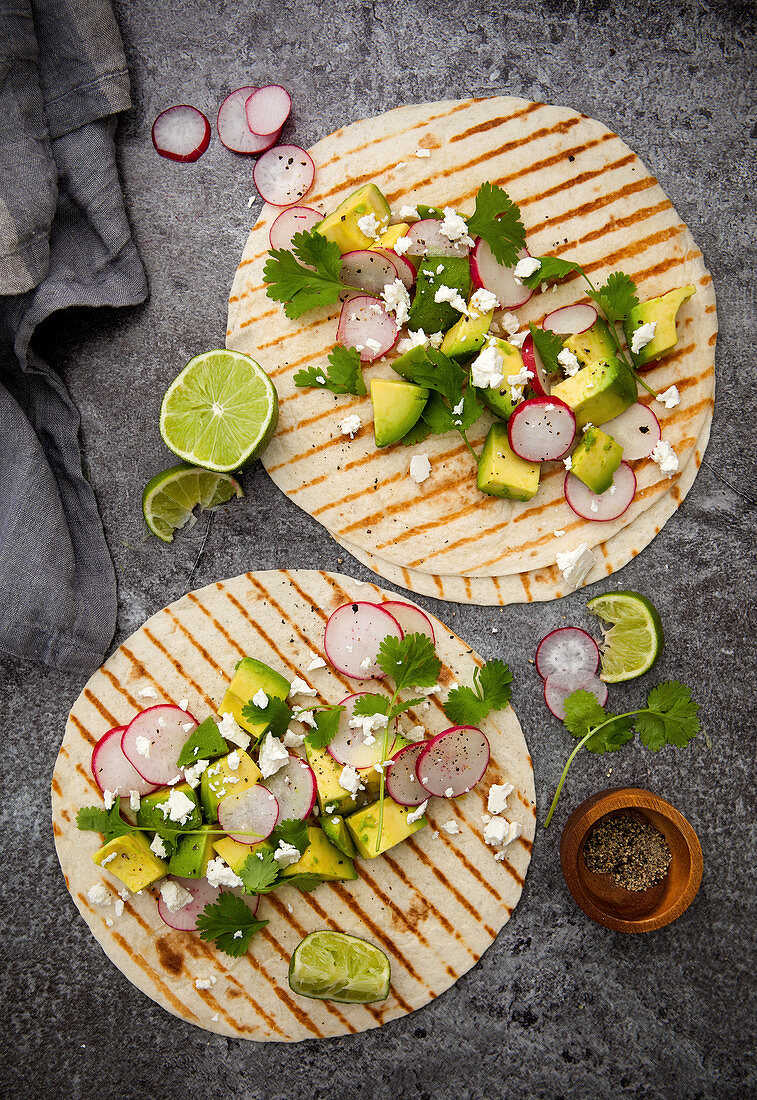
column 205, row 743
column 436, row 272
column 321, row 858
column 193, row 853
column 220, row 779
column 235, row 854
column 150, row 815
column 395, row 828
column 663, row 311
column 595, row 459
column 390, row 236
column 342, row 227
column 468, row 334
column 593, row 345
column 598, row 392
column 250, row 677
column 337, row 832
column 396, row 407
column 502, row 473
column 406, row 363
column 500, row 400
column 134, row 864
column 327, row 772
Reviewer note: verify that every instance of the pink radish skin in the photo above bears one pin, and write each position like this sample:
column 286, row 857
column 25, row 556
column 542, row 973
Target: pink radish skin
column 411, row 619
column 284, row 175
column 354, row 633
column 453, row 761
column 185, row 919
column 541, row 429
column 568, row 649
column 570, row 320
column 267, row 110
column 532, row 361
column 428, row 240
column 402, row 783
column 294, row 788
column 181, row 133
column 368, row 270
column 166, row 741
column 250, row 816
column 232, row 127
column 637, row 430
column 363, row 317
column 348, row 746
column 609, row 505
column 487, row 272
column 405, row 270
column 296, row 219
column 560, row 685
column 113, row 771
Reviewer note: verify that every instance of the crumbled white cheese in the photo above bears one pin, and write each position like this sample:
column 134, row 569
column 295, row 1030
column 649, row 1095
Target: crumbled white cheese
column 176, row 779
column 194, row 771
column 118, row 908
column 220, row 874
column 205, row 983
column 455, row 228
column 526, row 267
column 409, row 212
column 230, row 730
column 643, row 336
column 576, row 564
column 449, row 793
column 99, row 894
column 174, row 895
column 286, row 854
column 568, row 462
column 368, row 724
column 304, row 716
column 109, row 798
column 670, row 398
column 402, row 244
column 143, row 746
column 108, row 859
column 366, row 663
column 486, row 369
column 272, row 757
column 134, row 800
column 158, row 848
column 452, row 295
column 301, row 687
column 370, row 225
column 187, row 726
column 232, row 761
column 396, row 300
column 569, row 362
column 373, row 345
column 483, row 301
column 415, row 733
column 315, row 662
column 514, row 830
column 593, row 506
column 350, row 425
column 148, row 692
column 509, row 323
column 349, row 780
column 517, row 339
column 260, row 699
column 516, row 382
column 183, row 704
column 495, row 832
column 450, row 827
column 420, row 468
column 293, row 740
column 177, row 807
column 498, row 795
column 421, row 152
column 161, row 723
column 613, row 490
column 558, row 533
column 417, row 814
column 665, row 457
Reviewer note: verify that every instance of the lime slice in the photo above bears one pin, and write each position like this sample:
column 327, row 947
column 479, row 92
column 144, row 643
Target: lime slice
column 221, row 411
column 336, row 967
column 171, row 496
column 634, row 641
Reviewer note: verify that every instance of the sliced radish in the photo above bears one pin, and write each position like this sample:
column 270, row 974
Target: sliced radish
column 602, row 506
column 637, row 430
column 487, row 272
column 185, row 919
column 370, row 271
column 267, row 109
column 364, row 324
column 405, row 270
column 163, row 727
column 250, row 816
column 532, row 361
column 181, row 133
column 113, row 771
column 402, row 783
column 453, row 762
column 294, row 788
column 570, row 320
column 411, row 619
column 541, row 429
column 296, row 219
column 559, row 685
column 353, row 636
column 428, row 240
column 349, row 746
column 284, row 174
column 568, row 649
column 232, row 127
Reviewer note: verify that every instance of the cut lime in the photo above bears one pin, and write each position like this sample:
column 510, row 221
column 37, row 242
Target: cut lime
column 221, row 411
column 634, row 641
column 171, row 496
column 336, row 967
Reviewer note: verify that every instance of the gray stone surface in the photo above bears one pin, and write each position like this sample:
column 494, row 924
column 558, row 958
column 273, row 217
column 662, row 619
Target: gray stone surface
column 557, row 1006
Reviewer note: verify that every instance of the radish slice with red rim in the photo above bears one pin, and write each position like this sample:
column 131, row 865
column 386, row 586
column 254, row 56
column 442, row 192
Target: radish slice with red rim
column 637, row 430
column 294, row 788
column 568, row 649
column 284, row 175
column 232, row 127
column 250, row 816
column 532, row 361
column 405, row 270
column 185, row 919
column 164, row 729
column 428, row 240
column 181, row 133
column 541, row 429
column 411, row 619
column 113, row 771
column 371, row 271
column 602, row 506
column 349, row 745
column 353, row 636
column 296, row 219
column 570, row 320
column 487, row 272
column 453, row 762
column 267, row 109
column 402, row 783
column 559, row 685
column 364, row 324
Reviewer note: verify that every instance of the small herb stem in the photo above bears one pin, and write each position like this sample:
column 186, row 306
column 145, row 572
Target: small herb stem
column 384, row 751
column 467, row 444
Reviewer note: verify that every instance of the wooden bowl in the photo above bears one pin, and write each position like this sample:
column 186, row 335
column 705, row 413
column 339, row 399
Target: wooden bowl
column 597, row 894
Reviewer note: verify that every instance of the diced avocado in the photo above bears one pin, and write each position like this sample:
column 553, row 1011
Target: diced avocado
column 595, row 459
column 150, row 815
column 370, row 778
column 598, row 392
column 662, row 310
column 220, row 779
column 342, row 225
column 327, row 773
column 235, row 854
column 205, row 743
column 337, row 832
column 396, row 407
column 500, row 400
column 501, row 472
column 395, row 828
column 591, row 346
column 436, row 272
column 323, row 859
column 468, row 334
column 134, row 864
column 405, row 364
column 390, row 236
column 193, row 853
column 250, row 677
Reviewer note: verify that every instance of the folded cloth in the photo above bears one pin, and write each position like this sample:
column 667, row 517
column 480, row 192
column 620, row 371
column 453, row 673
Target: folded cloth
column 64, row 241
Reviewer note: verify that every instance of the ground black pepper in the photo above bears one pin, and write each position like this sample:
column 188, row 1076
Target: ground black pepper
column 630, row 849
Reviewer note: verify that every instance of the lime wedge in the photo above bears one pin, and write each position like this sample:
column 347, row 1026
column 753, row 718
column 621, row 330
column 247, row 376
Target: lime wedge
column 634, row 641
column 171, row 496
column 336, row 967
column 221, row 411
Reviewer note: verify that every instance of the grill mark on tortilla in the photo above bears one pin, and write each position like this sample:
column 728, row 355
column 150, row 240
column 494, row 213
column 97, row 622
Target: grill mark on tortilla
column 460, row 898
column 100, row 707
column 608, row 199
column 82, row 772
column 219, row 627
column 139, row 667
column 120, row 689
column 482, row 127
column 284, row 997
column 181, row 1008
column 178, row 666
column 88, row 737
column 259, row 317
column 268, row 1018
column 198, row 646
column 447, row 925
column 471, row 868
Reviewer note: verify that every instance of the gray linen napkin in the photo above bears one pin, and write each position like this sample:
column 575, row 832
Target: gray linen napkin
column 64, row 241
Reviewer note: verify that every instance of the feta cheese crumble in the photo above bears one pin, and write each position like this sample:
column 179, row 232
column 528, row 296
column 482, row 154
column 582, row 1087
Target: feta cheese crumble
column 486, row 369
column 369, row 225
column 286, row 854
column 450, row 827
column 273, row 756
column 220, row 874
column 499, row 793
column 300, row 687
column 644, row 335
column 183, row 704
column 158, row 848
column 665, row 457
column 409, row 212
column 569, row 362
column 421, row 153
column 483, row 301
column 99, row 894
column 293, row 740
column 143, row 746
column 194, row 771
column 420, row 468
column 205, row 983
column 402, row 244
column 349, row 780
column 670, row 398
column 576, row 564
column 558, row 533
column 417, row 813
column 397, row 300
column 315, row 662
column 230, row 730
column 109, row 798
column 148, row 692
column 260, row 699
column 568, row 462
column 449, row 793
column 455, row 228
column 415, row 733
column 174, row 895
column 177, row 807
column 134, row 800
column 453, row 297
column 526, row 267
column 350, row 425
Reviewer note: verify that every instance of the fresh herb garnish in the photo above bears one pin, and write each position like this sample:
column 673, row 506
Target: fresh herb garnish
column 549, row 345
column 290, row 831
column 259, row 873
column 453, row 406
column 467, row 706
column 617, row 297
column 326, row 726
column 343, row 376
column 221, row 921
column 205, row 743
column 367, row 705
column 276, row 714
column 496, row 220
column 304, row 881
column 306, row 277
column 96, row 819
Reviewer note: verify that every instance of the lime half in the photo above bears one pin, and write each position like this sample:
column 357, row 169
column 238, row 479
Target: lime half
column 634, row 641
column 221, row 411
column 171, row 496
column 336, row 967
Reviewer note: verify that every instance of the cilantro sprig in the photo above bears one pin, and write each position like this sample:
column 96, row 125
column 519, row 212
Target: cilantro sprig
column 276, row 714
column 496, row 220
column 259, row 873
column 453, row 404
column 326, row 726
column 222, row 921
column 549, row 345
column 306, row 277
column 343, row 375
column 96, row 819
column 492, row 686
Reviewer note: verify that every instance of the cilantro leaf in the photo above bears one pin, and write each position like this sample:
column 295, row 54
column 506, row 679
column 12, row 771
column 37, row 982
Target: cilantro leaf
column 613, row 736
column 326, row 726
column 371, row 703
column 495, row 680
column 96, row 819
column 304, row 881
column 447, row 379
column 259, row 873
column 464, row 707
column 583, row 711
column 467, row 706
column 672, row 718
column 291, row 831
column 221, row 919
column 439, row 372
column 292, row 280
column 549, row 346
column 437, row 416
column 276, row 714
column 419, row 431
column 343, row 376
column 496, row 220
column 410, row 661
column 205, row 743
column 617, row 297
column 552, row 270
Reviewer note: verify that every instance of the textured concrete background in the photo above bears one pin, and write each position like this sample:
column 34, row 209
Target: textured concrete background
column 558, row 1006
